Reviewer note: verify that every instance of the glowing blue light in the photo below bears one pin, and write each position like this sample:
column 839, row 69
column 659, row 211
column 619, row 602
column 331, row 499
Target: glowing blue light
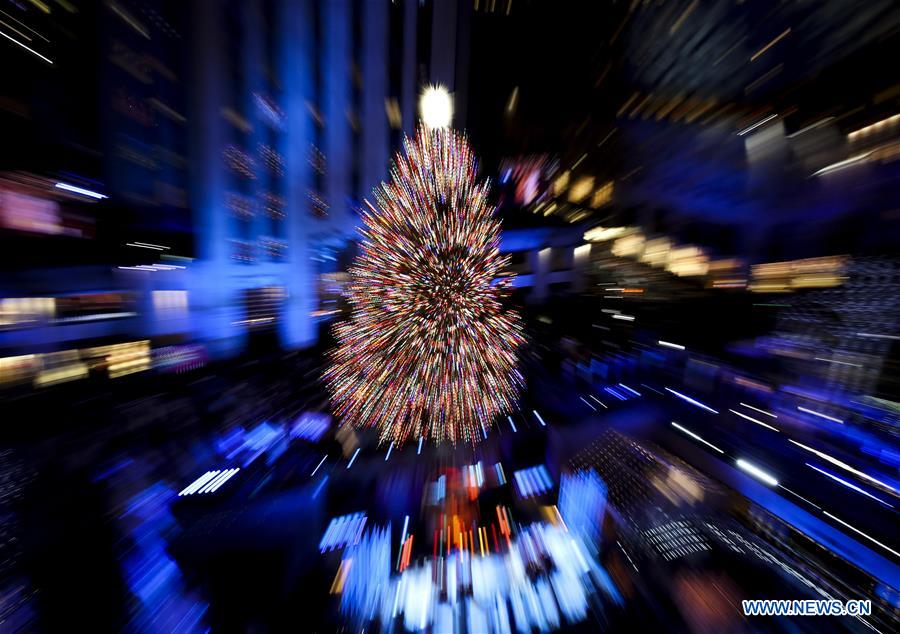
column 512, row 424
column 355, row 453
column 319, row 488
column 540, row 420
column 533, row 481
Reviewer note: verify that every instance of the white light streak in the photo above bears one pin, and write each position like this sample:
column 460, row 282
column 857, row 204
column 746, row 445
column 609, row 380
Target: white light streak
column 692, row 401
column 853, row 160
column 849, row 485
column 753, row 420
column 869, row 537
column 635, row 392
column 794, row 493
column 669, row 344
column 756, row 472
column 756, row 125
column 843, row 465
column 27, row 48
column 854, row 365
column 820, row 415
column 761, row 411
column 319, row 465
column 79, row 190
column 355, row 453
column 695, row 436
column 598, row 401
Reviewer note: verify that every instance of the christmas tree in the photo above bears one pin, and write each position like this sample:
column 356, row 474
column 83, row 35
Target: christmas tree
column 429, row 349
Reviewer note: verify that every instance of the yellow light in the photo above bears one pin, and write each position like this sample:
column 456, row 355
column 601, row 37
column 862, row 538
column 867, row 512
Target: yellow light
column 603, row 195
column 581, row 189
column 630, row 245
column 602, row 234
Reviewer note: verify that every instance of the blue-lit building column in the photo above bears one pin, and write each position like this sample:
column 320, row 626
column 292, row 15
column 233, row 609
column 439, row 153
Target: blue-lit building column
column 254, row 82
column 409, row 96
column 337, row 102
column 214, row 300
column 297, row 329
column 375, row 150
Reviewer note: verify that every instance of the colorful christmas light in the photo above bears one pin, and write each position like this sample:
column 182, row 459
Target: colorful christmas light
column 429, row 349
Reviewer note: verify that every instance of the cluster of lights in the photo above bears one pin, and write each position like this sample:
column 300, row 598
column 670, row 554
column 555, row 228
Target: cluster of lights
column 317, row 203
column 239, row 161
column 533, row 481
column 343, row 531
column 273, row 161
column 209, row 482
column 311, row 426
column 239, row 205
column 274, row 205
column 242, row 251
column 429, row 349
column 273, row 248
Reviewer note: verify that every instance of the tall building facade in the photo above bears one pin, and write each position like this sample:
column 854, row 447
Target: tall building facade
column 297, row 105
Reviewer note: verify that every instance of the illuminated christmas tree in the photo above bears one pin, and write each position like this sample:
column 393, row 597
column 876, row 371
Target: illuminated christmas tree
column 429, row 349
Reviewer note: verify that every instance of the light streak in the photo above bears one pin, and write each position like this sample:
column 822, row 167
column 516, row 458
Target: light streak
column 598, row 401
column 692, row 401
column 319, row 465
column 775, row 41
column 27, row 48
column 869, row 537
column 753, row 420
column 820, row 415
column 80, row 190
column 756, row 409
column 843, row 465
column 853, row 160
column 695, row 436
column 635, row 392
column 756, row 472
column 355, row 453
column 669, row 344
column 756, row 125
column 849, row 485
